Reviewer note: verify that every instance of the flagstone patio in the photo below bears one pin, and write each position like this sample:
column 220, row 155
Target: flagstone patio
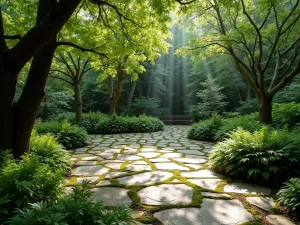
column 165, row 178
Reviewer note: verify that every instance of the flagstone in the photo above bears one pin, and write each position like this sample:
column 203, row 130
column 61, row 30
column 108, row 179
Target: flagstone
column 191, row 160
column 244, row 188
column 86, row 163
column 138, row 167
column 112, row 196
column 169, row 166
column 89, row 170
column 149, row 155
column 206, row 183
column 166, row 194
column 200, row 174
column 145, row 178
column 212, row 212
column 264, row 203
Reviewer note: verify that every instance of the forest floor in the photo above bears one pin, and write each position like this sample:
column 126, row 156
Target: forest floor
column 165, row 179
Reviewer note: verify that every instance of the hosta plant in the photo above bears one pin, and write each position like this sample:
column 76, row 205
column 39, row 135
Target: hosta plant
column 264, row 156
column 289, row 195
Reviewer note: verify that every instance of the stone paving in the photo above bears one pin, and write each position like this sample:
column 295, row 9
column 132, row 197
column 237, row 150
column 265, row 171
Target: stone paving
column 165, row 177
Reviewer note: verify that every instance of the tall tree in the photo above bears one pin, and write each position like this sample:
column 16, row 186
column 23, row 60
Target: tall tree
column 72, row 74
column 261, row 37
column 38, row 41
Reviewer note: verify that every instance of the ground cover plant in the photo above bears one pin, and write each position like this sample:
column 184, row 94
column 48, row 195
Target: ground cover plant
column 264, row 156
column 70, row 136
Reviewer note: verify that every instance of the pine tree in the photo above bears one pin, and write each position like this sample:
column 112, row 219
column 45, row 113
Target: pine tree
column 212, row 99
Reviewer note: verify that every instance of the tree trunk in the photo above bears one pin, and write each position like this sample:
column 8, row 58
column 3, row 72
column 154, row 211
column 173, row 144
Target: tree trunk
column 33, row 93
column 8, row 84
column 78, row 102
column 117, row 93
column 265, row 109
column 131, row 93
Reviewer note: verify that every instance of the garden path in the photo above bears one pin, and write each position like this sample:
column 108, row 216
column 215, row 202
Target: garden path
column 164, row 177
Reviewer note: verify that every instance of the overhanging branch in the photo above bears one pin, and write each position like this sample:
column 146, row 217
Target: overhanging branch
column 65, row 43
column 13, row 37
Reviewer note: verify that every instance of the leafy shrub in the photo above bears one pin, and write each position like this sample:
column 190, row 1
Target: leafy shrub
column 286, row 114
column 143, row 124
column 70, row 136
column 113, row 125
column 248, row 122
column 76, row 208
column 217, row 128
column 289, row 195
column 263, row 156
column 26, row 182
column 247, row 106
column 118, row 124
column 89, row 120
column 196, row 114
column 205, row 130
column 45, row 146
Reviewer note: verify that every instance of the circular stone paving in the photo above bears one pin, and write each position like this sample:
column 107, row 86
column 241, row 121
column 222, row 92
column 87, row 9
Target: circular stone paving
column 165, row 194
column 166, row 170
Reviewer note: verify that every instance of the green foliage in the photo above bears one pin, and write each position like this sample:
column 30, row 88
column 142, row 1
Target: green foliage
column 148, row 106
column 45, row 146
column 144, row 124
column 70, row 136
column 118, row 124
column 264, row 156
column 212, row 100
column 196, row 114
column 248, row 122
column 75, row 208
column 286, row 114
column 247, row 106
column 28, row 181
column 89, row 120
column 289, row 195
column 206, row 129
column 216, row 128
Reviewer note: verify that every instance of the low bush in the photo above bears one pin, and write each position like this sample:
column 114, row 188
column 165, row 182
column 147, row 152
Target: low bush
column 27, row 181
column 49, row 151
column 289, row 195
column 264, row 156
column 118, row 124
column 248, row 122
column 76, row 208
column 89, row 120
column 217, row 128
column 70, row 136
column 286, row 114
column 205, row 130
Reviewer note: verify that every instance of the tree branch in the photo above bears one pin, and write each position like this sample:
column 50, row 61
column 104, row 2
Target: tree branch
column 13, row 37
column 65, row 43
column 185, row 3
column 61, row 78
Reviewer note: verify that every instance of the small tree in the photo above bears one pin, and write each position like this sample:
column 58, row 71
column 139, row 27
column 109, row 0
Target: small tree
column 212, row 99
column 72, row 74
